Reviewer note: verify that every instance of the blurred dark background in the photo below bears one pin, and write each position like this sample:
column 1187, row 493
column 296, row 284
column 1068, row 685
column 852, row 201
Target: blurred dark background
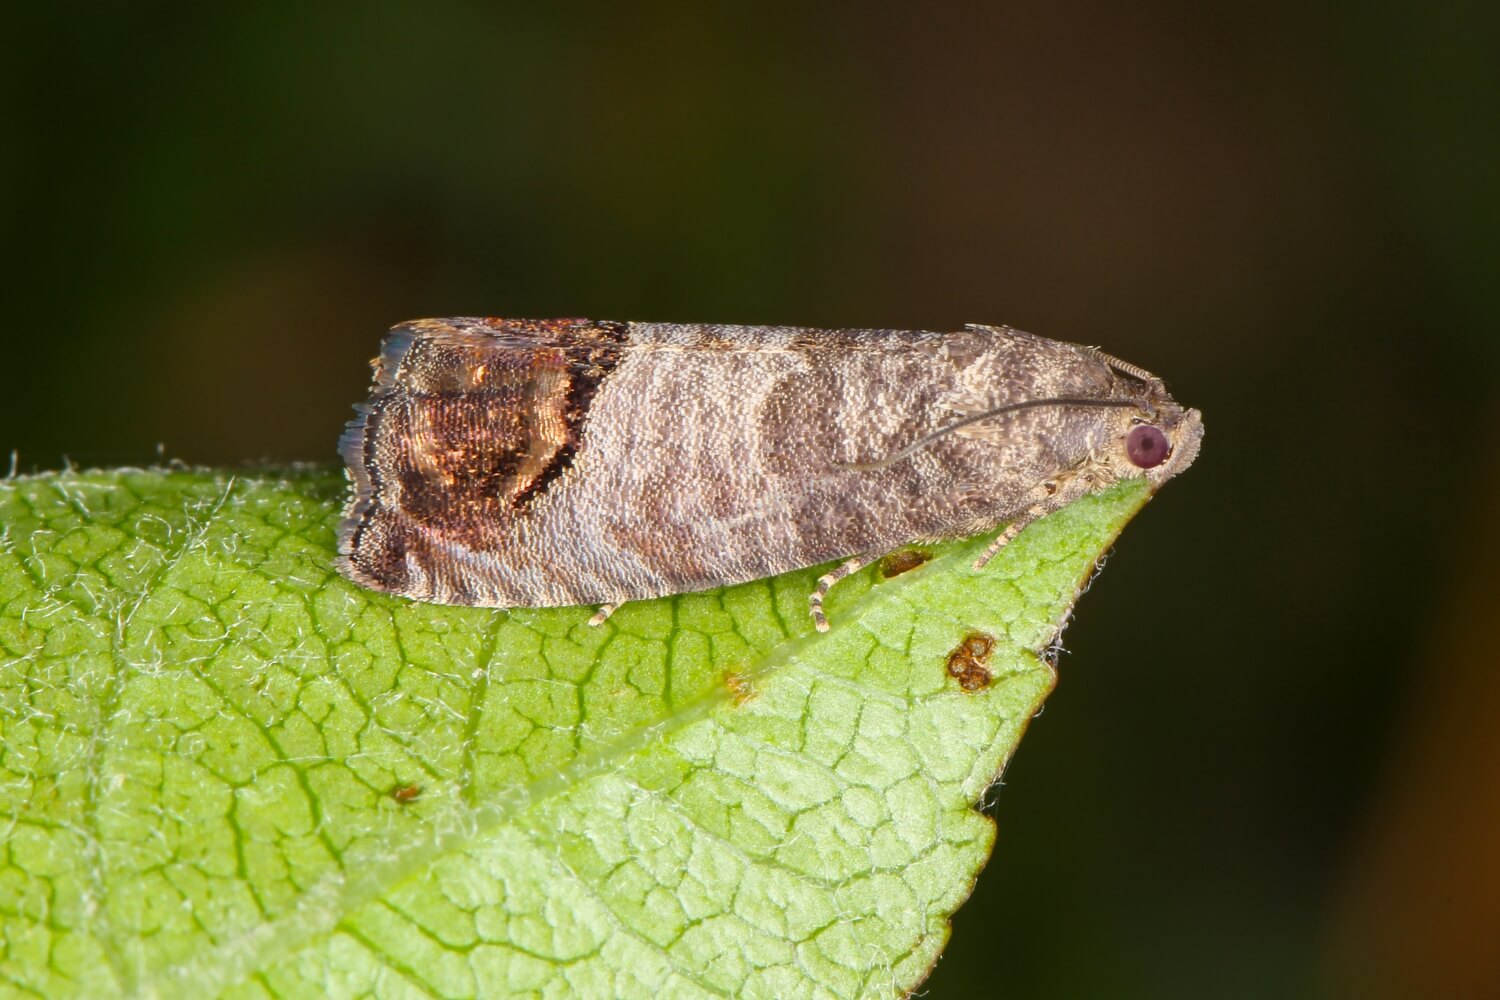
column 1270, row 767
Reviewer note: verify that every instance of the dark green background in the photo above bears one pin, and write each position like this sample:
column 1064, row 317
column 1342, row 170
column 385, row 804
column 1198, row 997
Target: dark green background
column 1269, row 768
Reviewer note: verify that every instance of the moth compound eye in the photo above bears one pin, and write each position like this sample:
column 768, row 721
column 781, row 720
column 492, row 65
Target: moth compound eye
column 1147, row 446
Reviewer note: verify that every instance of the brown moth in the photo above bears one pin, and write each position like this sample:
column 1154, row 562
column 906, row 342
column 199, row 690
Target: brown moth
column 528, row 463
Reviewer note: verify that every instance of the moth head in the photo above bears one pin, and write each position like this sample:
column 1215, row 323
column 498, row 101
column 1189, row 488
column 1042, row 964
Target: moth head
column 1157, row 441
column 1138, row 432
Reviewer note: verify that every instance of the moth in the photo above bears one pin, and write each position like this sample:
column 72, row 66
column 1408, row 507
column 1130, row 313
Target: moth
column 533, row 463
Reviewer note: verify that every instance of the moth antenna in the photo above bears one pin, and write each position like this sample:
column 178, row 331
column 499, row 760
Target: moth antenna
column 1134, row 371
column 975, row 418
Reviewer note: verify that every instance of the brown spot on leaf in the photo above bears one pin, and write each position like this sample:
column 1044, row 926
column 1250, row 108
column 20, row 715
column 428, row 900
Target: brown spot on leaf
column 903, row 561
column 740, row 687
column 969, row 663
column 406, row 793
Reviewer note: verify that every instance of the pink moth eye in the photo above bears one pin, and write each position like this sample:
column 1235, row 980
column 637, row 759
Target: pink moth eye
column 1147, row 446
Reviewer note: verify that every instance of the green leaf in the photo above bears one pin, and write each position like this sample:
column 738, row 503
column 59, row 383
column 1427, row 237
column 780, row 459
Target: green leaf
column 227, row 771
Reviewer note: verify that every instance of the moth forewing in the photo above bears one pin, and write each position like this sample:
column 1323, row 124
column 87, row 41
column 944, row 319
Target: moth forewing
column 552, row 462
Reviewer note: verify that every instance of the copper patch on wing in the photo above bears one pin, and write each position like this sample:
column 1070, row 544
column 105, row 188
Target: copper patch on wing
column 465, row 432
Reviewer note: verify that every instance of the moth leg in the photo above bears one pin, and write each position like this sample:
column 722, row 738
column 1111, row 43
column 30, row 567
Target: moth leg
column 602, row 615
column 826, row 582
column 1005, row 537
column 1050, row 500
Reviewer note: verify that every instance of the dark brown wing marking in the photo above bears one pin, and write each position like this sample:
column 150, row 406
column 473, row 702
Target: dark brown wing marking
column 471, row 421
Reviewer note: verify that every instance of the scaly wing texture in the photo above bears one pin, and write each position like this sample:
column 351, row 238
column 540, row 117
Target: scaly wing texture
column 229, row 772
